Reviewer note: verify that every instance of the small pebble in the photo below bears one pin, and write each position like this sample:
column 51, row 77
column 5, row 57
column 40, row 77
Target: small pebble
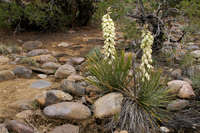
column 42, row 76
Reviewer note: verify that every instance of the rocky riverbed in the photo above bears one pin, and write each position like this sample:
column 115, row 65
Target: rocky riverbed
column 43, row 88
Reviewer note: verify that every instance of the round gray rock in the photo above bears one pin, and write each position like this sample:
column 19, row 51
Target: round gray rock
column 30, row 45
column 68, row 110
column 108, row 105
column 52, row 97
column 44, row 58
column 51, row 65
column 64, row 71
column 37, row 52
column 72, row 87
column 76, row 60
column 22, row 71
column 6, row 75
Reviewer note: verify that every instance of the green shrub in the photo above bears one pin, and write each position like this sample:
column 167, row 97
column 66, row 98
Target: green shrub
column 49, row 15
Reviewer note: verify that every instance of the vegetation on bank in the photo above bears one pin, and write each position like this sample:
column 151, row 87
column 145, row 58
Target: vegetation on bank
column 41, row 15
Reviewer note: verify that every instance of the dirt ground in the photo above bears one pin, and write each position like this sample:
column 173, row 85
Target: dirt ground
column 81, row 41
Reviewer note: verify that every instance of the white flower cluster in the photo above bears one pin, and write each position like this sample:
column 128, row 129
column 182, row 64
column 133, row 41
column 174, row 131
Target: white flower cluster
column 108, row 27
column 146, row 46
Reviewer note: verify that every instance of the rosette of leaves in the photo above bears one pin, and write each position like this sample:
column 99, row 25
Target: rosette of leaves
column 108, row 74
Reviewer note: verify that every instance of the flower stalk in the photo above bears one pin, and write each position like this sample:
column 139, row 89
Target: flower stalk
column 146, row 46
column 108, row 28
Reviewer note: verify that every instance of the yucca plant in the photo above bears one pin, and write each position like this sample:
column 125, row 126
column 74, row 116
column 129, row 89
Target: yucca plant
column 108, row 75
column 144, row 101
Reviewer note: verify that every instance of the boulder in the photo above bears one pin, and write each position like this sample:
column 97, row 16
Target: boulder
column 72, row 87
column 68, row 110
column 76, row 60
column 108, row 105
column 181, row 88
column 52, row 97
column 22, row 71
column 51, row 65
column 37, row 52
column 186, row 92
column 6, row 75
column 44, row 58
column 30, row 45
column 64, row 71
